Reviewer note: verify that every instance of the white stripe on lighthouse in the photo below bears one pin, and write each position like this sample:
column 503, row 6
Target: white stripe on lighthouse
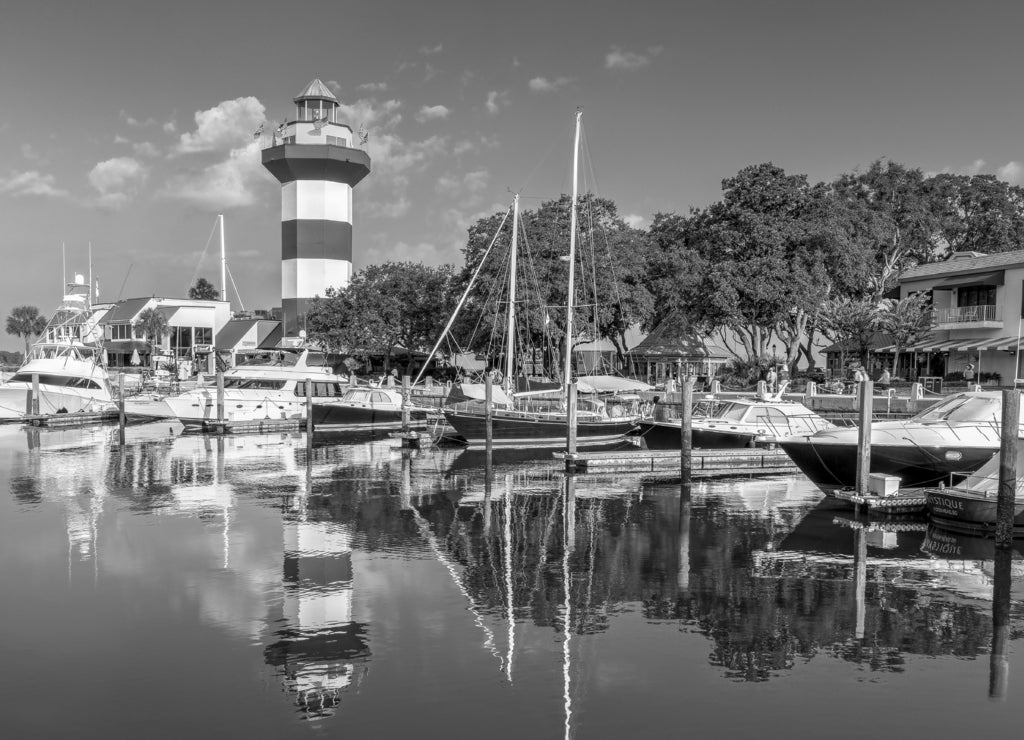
column 316, row 199
column 305, row 278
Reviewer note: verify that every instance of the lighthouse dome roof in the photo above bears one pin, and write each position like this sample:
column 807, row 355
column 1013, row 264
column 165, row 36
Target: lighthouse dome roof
column 316, row 90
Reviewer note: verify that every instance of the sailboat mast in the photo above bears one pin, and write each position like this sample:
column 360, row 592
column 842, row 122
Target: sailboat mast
column 572, row 256
column 510, row 335
column 223, row 261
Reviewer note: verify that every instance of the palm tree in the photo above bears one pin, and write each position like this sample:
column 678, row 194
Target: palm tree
column 203, row 290
column 25, row 322
column 151, row 326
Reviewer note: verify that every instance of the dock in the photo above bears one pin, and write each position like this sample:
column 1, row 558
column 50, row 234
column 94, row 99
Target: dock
column 254, row 426
column 907, row 501
column 70, row 420
column 666, row 463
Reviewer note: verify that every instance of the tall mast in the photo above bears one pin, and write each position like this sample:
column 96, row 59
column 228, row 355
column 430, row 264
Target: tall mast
column 63, row 268
column 510, row 344
column 88, row 294
column 572, row 256
column 223, row 261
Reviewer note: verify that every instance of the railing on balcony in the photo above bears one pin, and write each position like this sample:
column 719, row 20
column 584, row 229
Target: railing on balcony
column 968, row 314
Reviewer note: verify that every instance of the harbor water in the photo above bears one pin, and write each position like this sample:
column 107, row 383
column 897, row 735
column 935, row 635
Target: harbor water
column 256, row 586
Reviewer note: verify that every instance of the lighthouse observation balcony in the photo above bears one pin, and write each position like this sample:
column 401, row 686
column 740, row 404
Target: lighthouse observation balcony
column 290, row 162
column 969, row 317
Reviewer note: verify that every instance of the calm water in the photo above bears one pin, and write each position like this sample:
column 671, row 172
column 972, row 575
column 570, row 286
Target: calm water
column 189, row 586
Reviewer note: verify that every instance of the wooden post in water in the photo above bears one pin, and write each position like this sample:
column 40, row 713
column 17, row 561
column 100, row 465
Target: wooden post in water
column 220, row 396
column 121, row 418
column 865, row 400
column 686, row 432
column 489, row 418
column 999, row 663
column 309, row 412
column 570, row 420
column 35, row 394
column 406, row 391
column 1007, row 468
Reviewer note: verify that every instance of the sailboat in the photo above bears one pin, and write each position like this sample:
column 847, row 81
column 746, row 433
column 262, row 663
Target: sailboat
column 528, row 419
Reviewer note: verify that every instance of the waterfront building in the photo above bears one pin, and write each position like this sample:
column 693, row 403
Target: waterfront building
column 975, row 298
column 318, row 161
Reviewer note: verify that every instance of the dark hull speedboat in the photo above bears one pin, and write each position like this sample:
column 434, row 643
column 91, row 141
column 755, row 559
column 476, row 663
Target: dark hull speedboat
column 667, row 435
column 524, row 429
column 942, row 444
column 971, row 506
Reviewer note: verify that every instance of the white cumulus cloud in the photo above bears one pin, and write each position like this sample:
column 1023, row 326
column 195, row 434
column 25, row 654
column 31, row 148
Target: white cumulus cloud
column 1011, row 172
column 634, row 220
column 369, row 112
column 544, row 85
column 373, row 86
column 31, row 182
column 619, row 58
column 428, row 50
column 228, row 183
column 432, row 113
column 117, row 179
column 224, row 126
column 495, row 100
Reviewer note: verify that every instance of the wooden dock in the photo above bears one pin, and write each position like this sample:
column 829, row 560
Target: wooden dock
column 665, row 464
column 255, row 426
column 907, row 501
column 70, row 420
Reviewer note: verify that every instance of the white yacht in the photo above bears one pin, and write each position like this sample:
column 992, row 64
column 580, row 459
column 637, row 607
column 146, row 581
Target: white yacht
column 67, row 358
column 266, row 385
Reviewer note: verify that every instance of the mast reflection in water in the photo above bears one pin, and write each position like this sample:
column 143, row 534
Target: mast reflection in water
column 254, row 584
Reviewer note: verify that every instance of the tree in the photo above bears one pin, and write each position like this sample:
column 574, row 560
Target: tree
column 203, row 290
column 151, row 326
column 977, row 213
column 25, row 322
column 852, row 323
column 906, row 321
column 397, row 304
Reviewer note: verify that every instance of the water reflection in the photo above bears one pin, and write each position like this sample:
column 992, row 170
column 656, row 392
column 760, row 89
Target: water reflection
column 298, row 550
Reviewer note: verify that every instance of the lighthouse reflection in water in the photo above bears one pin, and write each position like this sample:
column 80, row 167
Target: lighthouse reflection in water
column 192, row 584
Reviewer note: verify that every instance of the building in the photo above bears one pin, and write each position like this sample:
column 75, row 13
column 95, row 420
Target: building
column 674, row 346
column 241, row 335
column 192, row 325
column 316, row 160
column 975, row 298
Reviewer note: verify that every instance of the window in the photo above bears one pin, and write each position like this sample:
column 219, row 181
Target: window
column 120, row 332
column 62, row 381
column 254, row 384
column 976, row 295
column 204, row 335
column 380, row 398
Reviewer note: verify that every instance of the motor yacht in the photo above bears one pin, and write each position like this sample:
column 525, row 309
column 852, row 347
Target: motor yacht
column 267, row 385
column 67, row 360
column 940, row 444
column 365, row 407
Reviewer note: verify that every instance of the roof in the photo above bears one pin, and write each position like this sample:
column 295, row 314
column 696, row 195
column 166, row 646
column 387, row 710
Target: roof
column 878, row 341
column 126, row 311
column 316, row 90
column 963, row 265
column 675, row 338
column 233, row 331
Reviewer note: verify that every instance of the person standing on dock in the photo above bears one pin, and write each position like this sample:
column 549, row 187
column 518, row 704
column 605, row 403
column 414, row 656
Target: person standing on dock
column 884, row 379
column 969, row 373
column 771, row 378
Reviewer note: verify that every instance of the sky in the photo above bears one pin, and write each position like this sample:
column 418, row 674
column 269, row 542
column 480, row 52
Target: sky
column 128, row 125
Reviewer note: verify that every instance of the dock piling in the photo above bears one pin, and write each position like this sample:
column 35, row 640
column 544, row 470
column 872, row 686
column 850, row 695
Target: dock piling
column 686, row 431
column 864, row 402
column 1007, row 468
column 121, row 418
column 406, row 391
column 570, row 419
column 220, row 396
column 309, row 410
column 489, row 417
column 35, row 394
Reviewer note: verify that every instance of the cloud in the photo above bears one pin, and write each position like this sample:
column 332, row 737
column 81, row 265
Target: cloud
column 432, row 112
column 427, row 51
column 32, row 182
column 393, row 155
column 132, row 121
column 28, row 152
column 1011, row 172
column 635, row 221
column 476, row 181
column 617, row 58
column 170, row 127
column 394, row 209
column 454, row 186
column 334, row 85
column 116, row 180
column 425, row 252
column 369, row 112
column 224, row 126
column 544, row 85
column 496, row 99
column 373, row 86
column 145, row 149
column 228, row 183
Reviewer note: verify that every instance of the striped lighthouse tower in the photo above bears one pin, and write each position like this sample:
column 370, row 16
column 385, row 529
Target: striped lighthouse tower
column 318, row 163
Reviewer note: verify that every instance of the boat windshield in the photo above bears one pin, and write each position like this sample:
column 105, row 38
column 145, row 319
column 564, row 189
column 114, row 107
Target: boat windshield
column 986, row 409
column 732, row 412
column 278, row 358
column 262, row 384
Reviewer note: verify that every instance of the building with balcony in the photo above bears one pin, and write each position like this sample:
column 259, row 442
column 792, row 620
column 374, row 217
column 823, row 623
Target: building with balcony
column 975, row 298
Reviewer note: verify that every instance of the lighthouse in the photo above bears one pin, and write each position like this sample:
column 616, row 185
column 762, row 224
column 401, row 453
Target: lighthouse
column 317, row 161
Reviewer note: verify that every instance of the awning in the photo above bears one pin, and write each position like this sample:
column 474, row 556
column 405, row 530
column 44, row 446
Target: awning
column 971, row 345
column 127, row 346
column 969, row 281
column 936, row 345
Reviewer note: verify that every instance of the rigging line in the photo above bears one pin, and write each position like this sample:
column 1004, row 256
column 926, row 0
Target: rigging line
column 462, row 300
column 129, row 272
column 199, row 264
column 237, row 294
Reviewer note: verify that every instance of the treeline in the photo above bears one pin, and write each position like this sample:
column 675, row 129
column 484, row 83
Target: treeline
column 776, row 261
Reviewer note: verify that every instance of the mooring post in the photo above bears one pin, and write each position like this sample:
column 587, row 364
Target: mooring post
column 1007, row 468
column 685, row 504
column 999, row 665
column 489, row 418
column 865, row 400
column 406, row 392
column 686, row 432
column 220, row 396
column 309, row 411
column 121, row 418
column 35, row 394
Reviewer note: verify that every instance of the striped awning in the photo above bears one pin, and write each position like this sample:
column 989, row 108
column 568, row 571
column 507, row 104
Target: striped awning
column 992, row 343
column 936, row 345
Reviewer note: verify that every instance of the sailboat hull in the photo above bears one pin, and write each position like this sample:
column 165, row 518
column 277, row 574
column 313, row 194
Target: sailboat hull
column 531, row 430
